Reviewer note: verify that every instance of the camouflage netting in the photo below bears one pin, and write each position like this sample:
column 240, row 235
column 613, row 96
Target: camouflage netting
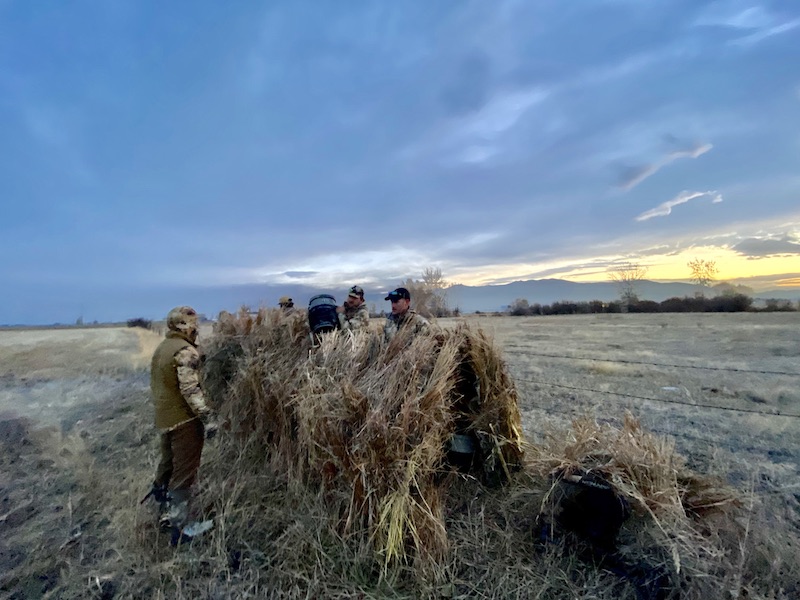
column 365, row 422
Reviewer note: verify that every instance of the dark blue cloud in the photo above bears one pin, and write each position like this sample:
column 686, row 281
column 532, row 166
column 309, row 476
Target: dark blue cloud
column 761, row 247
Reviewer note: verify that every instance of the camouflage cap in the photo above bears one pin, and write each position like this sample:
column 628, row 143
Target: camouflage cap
column 182, row 319
column 284, row 300
column 356, row 291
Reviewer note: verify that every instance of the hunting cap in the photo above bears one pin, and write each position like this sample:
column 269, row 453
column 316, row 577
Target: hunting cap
column 356, row 291
column 284, row 300
column 398, row 294
column 180, row 317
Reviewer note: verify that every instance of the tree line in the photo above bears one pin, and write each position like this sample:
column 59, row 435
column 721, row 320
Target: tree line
column 629, row 275
column 429, row 294
column 722, row 303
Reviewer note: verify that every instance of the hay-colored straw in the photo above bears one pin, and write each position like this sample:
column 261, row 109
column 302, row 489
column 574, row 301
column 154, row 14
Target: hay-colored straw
column 364, row 422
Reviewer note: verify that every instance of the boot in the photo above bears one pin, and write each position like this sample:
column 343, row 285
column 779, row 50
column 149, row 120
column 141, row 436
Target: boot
column 158, row 493
column 190, row 531
column 177, row 517
column 175, row 510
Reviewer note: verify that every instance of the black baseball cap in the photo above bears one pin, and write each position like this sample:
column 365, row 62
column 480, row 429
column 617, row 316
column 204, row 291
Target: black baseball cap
column 398, row 294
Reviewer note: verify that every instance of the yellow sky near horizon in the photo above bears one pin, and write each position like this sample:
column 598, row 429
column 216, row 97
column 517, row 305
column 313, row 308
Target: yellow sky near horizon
column 759, row 273
column 731, row 266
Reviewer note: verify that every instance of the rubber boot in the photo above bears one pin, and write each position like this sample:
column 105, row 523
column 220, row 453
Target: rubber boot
column 178, row 514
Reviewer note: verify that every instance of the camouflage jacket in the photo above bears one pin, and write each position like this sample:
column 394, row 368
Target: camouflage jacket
column 175, row 383
column 410, row 320
column 354, row 319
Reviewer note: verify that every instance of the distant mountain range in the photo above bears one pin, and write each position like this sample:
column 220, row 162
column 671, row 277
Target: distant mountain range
column 486, row 298
column 41, row 306
column 547, row 291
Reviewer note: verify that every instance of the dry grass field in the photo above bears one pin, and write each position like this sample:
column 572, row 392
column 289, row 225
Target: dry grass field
column 686, row 363
column 77, row 452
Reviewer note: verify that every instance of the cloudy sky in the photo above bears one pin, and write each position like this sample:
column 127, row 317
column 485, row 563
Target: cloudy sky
column 147, row 144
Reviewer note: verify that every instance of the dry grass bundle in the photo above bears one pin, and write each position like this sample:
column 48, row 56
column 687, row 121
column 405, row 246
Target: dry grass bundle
column 644, row 467
column 364, row 422
column 689, row 526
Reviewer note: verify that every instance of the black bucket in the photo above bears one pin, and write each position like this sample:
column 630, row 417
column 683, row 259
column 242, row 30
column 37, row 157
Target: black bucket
column 322, row 313
column 461, row 450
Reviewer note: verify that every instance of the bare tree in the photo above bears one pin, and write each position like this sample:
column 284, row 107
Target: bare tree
column 627, row 277
column 703, row 272
column 429, row 294
column 437, row 285
column 432, row 276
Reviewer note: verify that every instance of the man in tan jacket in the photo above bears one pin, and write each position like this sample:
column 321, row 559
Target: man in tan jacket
column 182, row 417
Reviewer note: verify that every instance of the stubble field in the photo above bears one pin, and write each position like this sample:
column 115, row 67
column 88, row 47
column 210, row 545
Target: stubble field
column 77, row 448
column 723, row 385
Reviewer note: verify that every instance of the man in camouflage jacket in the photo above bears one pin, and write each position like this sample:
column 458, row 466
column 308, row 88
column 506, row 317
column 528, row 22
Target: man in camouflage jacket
column 354, row 315
column 402, row 316
column 182, row 415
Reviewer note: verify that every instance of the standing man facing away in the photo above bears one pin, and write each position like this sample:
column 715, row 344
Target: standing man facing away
column 402, row 316
column 182, row 417
column 354, row 315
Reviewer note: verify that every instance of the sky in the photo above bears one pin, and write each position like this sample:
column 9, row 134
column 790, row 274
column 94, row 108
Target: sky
column 146, row 145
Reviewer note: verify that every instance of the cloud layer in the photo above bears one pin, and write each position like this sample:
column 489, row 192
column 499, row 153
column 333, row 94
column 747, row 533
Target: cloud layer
column 145, row 145
column 755, row 247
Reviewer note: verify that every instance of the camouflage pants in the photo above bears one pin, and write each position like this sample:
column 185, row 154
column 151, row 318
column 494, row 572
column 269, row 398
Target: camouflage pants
column 181, row 449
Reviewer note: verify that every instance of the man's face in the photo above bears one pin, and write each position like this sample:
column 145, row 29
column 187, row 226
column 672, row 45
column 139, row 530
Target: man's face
column 353, row 301
column 400, row 306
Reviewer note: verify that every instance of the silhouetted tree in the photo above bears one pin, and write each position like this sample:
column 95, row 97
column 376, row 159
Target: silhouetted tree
column 703, row 273
column 627, row 277
column 140, row 322
column 519, row 307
